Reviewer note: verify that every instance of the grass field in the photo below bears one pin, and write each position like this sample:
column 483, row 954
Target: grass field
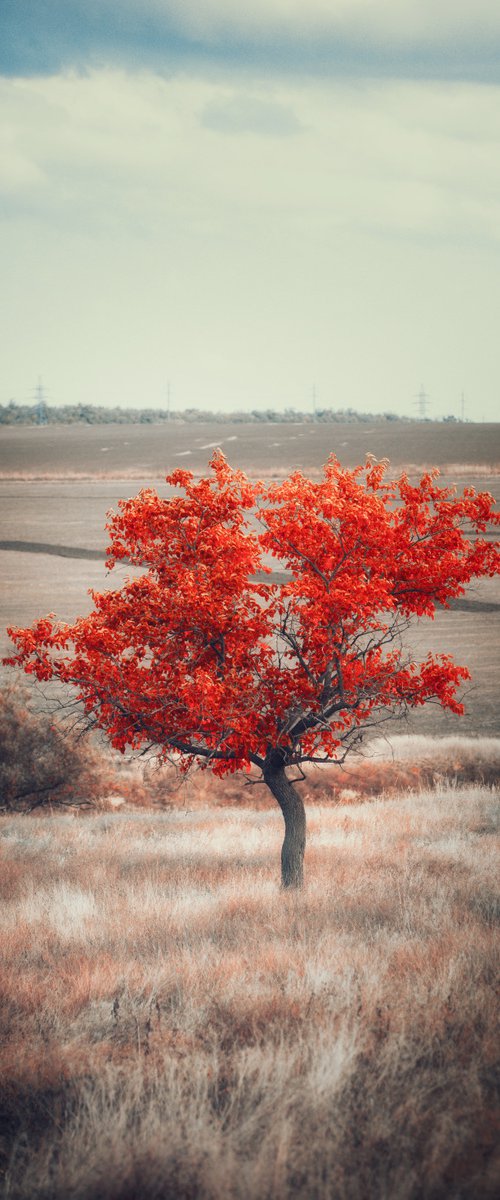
column 175, row 1027
column 178, row 1028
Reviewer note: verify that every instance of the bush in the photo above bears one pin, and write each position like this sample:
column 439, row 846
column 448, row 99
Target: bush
column 42, row 761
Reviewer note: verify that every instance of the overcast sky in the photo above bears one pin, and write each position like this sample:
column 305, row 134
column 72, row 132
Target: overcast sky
column 247, row 201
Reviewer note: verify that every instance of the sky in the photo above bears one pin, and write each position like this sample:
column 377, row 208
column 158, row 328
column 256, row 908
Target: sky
column 246, row 203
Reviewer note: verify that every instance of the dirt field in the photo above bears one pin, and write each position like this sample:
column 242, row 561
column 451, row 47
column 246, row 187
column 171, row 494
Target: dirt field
column 150, row 451
column 53, row 512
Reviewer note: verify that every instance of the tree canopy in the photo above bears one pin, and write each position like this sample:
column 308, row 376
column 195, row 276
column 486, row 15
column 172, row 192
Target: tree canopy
column 203, row 657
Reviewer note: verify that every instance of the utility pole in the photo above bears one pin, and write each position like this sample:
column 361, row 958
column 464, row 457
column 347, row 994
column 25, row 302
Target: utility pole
column 462, row 408
column 41, row 407
column 314, row 402
column 422, row 400
column 168, row 400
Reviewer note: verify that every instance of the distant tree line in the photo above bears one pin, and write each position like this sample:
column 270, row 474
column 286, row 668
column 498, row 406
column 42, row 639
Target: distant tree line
column 92, row 414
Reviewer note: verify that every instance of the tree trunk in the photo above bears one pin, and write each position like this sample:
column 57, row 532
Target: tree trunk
column 292, row 850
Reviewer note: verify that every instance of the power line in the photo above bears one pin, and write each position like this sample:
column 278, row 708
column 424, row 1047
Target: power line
column 422, row 400
column 41, row 405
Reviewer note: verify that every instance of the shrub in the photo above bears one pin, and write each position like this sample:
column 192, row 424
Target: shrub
column 43, row 762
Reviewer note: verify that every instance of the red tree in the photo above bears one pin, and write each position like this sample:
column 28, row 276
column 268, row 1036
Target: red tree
column 201, row 658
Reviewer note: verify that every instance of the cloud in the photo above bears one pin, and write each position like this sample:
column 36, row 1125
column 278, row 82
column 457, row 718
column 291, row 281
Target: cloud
column 236, row 114
column 111, row 151
column 351, row 236
column 451, row 39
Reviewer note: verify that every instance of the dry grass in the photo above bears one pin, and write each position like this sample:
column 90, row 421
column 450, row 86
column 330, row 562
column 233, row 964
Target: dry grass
column 176, row 1027
column 460, row 470
column 62, row 474
column 387, row 767
column 400, row 763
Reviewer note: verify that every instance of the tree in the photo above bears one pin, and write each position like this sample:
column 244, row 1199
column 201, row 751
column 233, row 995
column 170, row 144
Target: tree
column 203, row 658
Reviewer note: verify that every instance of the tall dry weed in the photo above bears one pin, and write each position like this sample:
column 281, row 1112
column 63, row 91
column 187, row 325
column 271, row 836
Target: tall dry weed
column 177, row 1027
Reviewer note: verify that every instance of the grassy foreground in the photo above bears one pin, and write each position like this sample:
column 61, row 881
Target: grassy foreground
column 178, row 1028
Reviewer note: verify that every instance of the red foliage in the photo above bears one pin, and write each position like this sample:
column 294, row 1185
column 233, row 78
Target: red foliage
column 198, row 658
